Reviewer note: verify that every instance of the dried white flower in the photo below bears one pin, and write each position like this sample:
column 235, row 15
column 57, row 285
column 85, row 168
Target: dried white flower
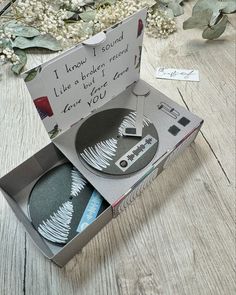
column 50, row 17
column 159, row 25
column 7, row 53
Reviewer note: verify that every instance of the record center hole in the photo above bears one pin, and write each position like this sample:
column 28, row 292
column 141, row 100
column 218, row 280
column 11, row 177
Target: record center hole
column 123, row 164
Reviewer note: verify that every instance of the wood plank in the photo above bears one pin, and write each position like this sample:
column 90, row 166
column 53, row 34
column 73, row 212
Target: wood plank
column 178, row 237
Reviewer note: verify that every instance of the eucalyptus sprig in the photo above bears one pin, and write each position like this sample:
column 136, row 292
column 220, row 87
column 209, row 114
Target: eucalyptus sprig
column 15, row 37
column 211, row 17
column 60, row 24
column 174, row 7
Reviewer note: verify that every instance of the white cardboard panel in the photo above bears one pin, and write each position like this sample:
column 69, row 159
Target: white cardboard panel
column 86, row 77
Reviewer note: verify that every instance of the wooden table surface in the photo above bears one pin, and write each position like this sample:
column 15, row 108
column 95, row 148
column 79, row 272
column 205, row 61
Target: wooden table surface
column 178, row 237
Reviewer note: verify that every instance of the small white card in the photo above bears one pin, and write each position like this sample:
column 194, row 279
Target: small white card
column 178, row 74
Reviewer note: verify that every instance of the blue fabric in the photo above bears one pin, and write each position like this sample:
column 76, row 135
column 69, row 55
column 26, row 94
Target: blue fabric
column 91, row 211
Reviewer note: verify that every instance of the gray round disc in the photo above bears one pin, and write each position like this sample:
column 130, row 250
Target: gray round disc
column 100, row 143
column 48, row 196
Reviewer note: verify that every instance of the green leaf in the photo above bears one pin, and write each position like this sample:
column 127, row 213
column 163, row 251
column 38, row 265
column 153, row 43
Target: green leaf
column 139, row 58
column 69, row 15
column 174, row 5
column 217, row 30
column 200, row 19
column 5, row 43
column 86, row 30
column 54, row 132
column 22, row 61
column 41, row 41
column 214, row 5
column 100, row 3
column 86, row 2
column 1, row 70
column 169, row 13
column 88, row 15
column 150, row 3
column 230, row 7
column 166, row 2
column 18, row 29
column 176, row 8
column 30, row 75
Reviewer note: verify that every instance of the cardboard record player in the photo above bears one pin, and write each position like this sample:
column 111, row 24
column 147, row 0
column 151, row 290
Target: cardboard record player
column 115, row 132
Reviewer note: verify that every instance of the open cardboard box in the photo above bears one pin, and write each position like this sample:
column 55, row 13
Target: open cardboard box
column 99, row 76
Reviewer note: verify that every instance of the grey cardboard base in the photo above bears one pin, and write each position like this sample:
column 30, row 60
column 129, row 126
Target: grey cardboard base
column 17, row 186
column 161, row 111
column 176, row 128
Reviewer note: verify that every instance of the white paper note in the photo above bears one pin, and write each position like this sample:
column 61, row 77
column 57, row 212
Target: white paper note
column 82, row 79
column 177, row 74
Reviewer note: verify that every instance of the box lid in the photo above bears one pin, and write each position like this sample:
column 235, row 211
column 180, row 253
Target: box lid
column 82, row 79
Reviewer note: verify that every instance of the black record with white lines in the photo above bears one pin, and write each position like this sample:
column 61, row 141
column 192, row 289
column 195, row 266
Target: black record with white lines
column 59, row 202
column 101, row 144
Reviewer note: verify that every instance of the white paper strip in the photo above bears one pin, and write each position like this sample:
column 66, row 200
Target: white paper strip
column 136, row 152
column 177, row 74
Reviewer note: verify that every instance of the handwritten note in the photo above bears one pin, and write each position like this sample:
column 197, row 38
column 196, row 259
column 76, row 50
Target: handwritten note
column 86, row 77
column 177, row 74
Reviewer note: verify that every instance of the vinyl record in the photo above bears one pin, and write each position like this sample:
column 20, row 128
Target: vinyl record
column 101, row 144
column 62, row 203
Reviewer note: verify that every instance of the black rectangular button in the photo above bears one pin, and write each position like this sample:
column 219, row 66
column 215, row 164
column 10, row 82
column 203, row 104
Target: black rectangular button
column 184, row 121
column 174, row 130
column 130, row 130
